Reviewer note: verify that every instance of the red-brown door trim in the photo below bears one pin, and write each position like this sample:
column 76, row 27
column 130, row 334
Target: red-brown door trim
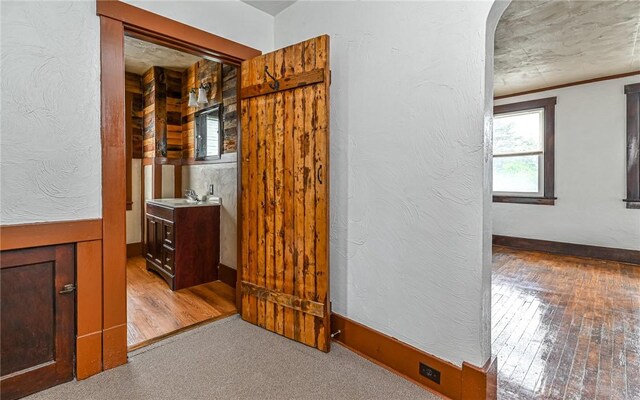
column 118, row 18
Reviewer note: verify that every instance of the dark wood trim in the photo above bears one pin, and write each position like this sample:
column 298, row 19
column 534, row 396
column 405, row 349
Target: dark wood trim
column 177, row 181
column 169, row 32
column 227, row 275
column 116, row 19
column 525, row 200
column 114, row 294
column 226, row 158
column 49, row 233
column 564, row 85
column 156, row 176
column 134, row 250
column 633, row 142
column 548, row 104
column 570, row 249
column 404, row 360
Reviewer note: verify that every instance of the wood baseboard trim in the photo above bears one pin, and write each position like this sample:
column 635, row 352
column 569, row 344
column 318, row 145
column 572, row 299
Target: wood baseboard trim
column 134, row 249
column 24, row 236
column 227, row 275
column 458, row 383
column 88, row 355
column 570, row 249
column 114, row 346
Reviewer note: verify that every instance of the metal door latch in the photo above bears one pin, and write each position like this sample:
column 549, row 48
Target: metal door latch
column 68, row 288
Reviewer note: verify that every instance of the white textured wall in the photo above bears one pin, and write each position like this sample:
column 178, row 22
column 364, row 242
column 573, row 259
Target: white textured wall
column 224, row 178
column 134, row 221
column 407, row 167
column 590, row 179
column 50, row 129
column 231, row 19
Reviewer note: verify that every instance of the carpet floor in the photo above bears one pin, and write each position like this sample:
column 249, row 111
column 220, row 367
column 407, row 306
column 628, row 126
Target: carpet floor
column 232, row 359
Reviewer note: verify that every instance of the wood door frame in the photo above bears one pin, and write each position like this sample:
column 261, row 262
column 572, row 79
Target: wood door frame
column 116, row 19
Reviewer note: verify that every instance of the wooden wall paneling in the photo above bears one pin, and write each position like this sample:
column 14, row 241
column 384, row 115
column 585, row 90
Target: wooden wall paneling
column 149, row 114
column 230, row 107
column 113, row 200
column 49, row 233
column 174, row 113
column 89, row 308
column 160, row 83
column 133, row 87
column 128, row 112
column 202, row 72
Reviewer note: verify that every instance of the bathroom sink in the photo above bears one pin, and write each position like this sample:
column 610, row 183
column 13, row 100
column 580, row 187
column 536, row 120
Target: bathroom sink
column 212, row 201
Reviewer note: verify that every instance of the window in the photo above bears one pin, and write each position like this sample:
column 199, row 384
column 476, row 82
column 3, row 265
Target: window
column 208, row 128
column 633, row 145
column 523, row 152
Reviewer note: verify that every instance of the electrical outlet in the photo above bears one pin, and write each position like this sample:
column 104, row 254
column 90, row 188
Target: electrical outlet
column 430, row 373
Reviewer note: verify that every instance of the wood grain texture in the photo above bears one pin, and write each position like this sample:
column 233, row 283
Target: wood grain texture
column 565, row 327
column 154, row 310
column 49, row 233
column 112, row 84
column 571, row 249
column 31, row 281
column 284, row 194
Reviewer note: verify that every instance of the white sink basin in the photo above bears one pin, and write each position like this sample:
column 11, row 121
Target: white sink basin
column 211, row 201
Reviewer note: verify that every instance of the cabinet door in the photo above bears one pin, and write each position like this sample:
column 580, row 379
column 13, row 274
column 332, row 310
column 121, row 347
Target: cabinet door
column 37, row 318
column 151, row 244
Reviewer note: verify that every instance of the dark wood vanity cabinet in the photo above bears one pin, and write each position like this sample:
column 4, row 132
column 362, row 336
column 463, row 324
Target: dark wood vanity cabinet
column 183, row 243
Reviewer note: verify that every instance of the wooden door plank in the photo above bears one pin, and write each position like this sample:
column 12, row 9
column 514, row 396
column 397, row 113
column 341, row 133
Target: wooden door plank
column 321, row 136
column 289, row 209
column 269, row 199
column 301, row 305
column 261, row 198
column 278, row 170
column 309, row 193
column 298, row 134
column 244, row 183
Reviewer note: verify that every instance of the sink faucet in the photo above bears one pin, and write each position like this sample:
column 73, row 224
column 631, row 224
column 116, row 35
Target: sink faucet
column 191, row 195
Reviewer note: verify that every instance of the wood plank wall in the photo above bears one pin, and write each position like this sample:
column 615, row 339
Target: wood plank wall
column 229, row 111
column 162, row 113
column 133, row 86
column 204, row 71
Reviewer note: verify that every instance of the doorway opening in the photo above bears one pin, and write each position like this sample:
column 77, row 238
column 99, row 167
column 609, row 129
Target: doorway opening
column 181, row 128
column 565, row 274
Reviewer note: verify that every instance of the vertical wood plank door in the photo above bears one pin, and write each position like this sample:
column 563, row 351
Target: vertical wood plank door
column 285, row 191
column 37, row 321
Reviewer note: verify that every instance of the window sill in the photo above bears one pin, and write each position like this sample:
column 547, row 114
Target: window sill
column 544, row 201
column 632, row 204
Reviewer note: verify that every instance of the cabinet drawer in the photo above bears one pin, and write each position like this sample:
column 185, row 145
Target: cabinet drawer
column 168, row 259
column 160, row 212
column 167, row 234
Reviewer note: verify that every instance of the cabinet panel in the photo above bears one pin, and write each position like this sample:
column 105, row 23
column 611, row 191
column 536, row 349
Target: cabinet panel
column 31, row 301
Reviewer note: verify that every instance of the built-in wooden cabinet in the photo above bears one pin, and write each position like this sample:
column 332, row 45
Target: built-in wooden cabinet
column 183, row 243
column 37, row 323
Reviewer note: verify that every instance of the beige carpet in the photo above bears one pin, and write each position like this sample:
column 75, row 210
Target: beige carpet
column 231, row 359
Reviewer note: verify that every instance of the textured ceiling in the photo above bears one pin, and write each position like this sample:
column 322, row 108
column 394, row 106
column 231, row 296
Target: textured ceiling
column 268, row 6
column 547, row 43
column 139, row 56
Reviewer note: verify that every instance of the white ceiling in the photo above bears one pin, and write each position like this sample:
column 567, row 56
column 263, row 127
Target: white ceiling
column 268, row 6
column 139, row 56
column 546, row 43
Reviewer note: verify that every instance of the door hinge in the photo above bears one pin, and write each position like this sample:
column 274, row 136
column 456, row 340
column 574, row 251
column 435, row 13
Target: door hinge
column 68, row 288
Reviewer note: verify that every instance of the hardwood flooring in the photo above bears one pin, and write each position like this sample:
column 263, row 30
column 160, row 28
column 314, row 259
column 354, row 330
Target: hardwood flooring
column 565, row 327
column 155, row 311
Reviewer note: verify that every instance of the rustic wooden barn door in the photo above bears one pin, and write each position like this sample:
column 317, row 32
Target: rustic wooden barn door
column 285, row 191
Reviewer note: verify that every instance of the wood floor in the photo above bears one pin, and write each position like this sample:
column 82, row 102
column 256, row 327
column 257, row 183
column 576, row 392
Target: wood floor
column 565, row 327
column 155, row 311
